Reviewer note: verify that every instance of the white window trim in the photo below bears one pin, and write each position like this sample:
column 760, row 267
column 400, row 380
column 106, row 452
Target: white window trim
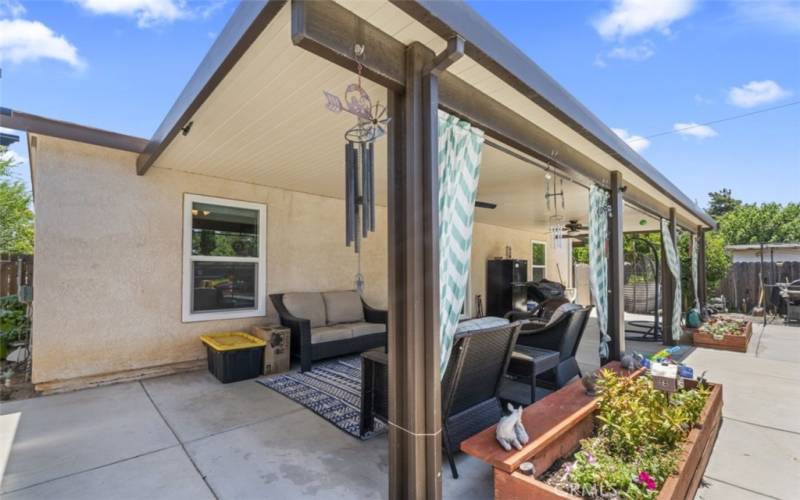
column 546, row 253
column 261, row 261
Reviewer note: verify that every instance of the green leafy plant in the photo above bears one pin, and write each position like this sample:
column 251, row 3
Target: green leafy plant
column 638, row 437
column 14, row 322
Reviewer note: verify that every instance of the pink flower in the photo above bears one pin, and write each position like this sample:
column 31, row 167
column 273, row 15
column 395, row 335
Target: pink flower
column 646, row 480
column 590, row 458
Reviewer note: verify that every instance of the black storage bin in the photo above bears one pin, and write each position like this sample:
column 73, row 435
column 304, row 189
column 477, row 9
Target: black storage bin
column 234, row 356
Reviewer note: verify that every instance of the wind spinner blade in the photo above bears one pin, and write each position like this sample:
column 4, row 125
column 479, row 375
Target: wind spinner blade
column 333, row 102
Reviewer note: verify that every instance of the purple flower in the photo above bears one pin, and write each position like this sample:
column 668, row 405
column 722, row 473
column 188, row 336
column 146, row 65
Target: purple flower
column 590, row 458
column 647, row 481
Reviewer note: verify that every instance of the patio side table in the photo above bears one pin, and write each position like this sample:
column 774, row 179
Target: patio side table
column 374, row 389
column 528, row 362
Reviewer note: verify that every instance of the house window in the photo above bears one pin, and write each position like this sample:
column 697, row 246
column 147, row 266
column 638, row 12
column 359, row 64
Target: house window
column 224, row 258
column 538, row 260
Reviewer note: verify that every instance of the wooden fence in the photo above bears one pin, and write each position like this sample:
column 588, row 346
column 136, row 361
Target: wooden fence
column 742, row 286
column 15, row 269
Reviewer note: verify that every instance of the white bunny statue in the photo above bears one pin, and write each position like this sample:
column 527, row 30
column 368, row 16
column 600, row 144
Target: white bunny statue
column 510, row 431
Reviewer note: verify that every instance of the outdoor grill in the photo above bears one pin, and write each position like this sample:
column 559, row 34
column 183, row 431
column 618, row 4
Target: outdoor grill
column 791, row 296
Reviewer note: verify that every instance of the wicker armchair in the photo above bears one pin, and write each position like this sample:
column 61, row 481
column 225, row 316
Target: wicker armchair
column 470, row 386
column 563, row 336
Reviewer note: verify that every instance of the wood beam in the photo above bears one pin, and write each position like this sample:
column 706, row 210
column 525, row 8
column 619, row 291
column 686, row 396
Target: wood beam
column 668, row 284
column 616, row 269
column 414, row 379
column 331, row 31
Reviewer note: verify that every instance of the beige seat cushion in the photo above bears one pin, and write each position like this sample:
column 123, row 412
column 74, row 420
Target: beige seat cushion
column 306, row 305
column 360, row 329
column 331, row 333
column 343, row 307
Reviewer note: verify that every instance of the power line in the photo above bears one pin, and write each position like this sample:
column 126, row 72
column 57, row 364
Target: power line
column 712, row 122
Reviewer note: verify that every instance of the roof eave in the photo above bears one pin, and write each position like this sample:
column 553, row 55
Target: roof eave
column 494, row 51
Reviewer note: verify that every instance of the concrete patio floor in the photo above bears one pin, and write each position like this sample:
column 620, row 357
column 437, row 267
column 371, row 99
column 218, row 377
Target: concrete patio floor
column 188, row 436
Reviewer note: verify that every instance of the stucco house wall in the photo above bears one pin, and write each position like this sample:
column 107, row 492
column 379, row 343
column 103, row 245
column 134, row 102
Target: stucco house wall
column 108, row 257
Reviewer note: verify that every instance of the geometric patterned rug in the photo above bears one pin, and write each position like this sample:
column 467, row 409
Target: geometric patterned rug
column 331, row 389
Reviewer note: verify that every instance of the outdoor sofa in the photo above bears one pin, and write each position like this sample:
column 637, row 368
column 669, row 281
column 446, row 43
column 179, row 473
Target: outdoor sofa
column 328, row 324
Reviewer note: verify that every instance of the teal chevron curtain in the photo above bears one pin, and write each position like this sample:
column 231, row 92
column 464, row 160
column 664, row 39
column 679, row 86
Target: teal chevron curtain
column 695, row 257
column 674, row 265
column 598, row 260
column 460, row 148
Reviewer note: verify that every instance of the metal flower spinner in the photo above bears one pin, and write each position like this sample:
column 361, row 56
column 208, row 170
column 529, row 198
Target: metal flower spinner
column 373, row 119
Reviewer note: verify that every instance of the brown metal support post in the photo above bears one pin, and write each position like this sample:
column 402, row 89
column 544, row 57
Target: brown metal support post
column 668, row 284
column 414, row 381
column 702, row 286
column 616, row 278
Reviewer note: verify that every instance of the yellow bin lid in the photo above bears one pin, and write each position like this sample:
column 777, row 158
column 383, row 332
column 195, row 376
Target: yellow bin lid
column 229, row 341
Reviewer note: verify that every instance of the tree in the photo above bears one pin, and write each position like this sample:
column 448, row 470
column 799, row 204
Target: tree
column 721, row 202
column 765, row 223
column 16, row 217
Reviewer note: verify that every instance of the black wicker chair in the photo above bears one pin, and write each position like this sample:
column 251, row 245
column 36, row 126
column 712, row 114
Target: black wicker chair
column 308, row 352
column 470, row 386
column 562, row 336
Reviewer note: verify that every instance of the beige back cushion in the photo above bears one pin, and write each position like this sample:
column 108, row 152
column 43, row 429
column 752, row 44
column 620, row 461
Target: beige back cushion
column 343, row 307
column 306, row 305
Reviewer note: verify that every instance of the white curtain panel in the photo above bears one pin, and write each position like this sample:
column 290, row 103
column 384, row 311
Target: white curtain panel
column 674, row 265
column 598, row 260
column 460, row 148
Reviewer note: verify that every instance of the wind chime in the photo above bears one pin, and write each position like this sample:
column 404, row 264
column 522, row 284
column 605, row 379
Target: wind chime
column 359, row 159
column 557, row 226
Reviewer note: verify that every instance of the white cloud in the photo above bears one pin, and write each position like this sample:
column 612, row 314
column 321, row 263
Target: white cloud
column 22, row 40
column 781, row 14
column 699, row 99
column 640, row 52
column 636, row 142
column 146, row 12
column 11, row 8
column 694, row 130
column 756, row 93
column 633, row 17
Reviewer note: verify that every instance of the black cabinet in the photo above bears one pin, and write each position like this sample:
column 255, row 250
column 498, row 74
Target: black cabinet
column 506, row 288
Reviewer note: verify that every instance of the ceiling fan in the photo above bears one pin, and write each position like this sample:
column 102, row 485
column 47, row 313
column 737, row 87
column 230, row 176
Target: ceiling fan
column 576, row 230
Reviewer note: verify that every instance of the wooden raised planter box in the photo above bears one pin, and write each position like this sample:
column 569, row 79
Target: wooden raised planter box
column 736, row 343
column 557, row 423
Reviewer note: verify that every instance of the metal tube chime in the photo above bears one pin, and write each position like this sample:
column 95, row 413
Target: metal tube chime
column 359, row 196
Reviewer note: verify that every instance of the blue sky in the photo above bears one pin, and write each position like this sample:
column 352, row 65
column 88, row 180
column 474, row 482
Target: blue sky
column 644, row 67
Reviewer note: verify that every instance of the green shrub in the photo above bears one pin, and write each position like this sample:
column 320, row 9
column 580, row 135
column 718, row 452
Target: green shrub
column 14, row 322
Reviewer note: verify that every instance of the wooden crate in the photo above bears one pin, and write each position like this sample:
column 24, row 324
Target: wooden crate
column 736, row 343
column 277, row 357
